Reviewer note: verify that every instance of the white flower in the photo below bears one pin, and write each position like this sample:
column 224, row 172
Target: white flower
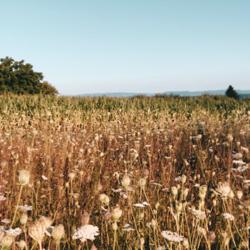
column 126, row 181
column 119, row 190
column 246, row 183
column 2, row 198
column 25, row 208
column 178, row 178
column 240, row 169
column 24, row 177
column 228, row 216
column 127, row 228
column 172, row 236
column 6, row 221
column 239, row 194
column 224, row 189
column 44, row 178
column 141, row 205
column 86, row 232
column 237, row 156
column 13, row 231
column 199, row 214
column 239, row 162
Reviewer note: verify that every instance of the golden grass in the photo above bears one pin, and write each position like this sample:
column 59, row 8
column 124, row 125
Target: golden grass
column 140, row 173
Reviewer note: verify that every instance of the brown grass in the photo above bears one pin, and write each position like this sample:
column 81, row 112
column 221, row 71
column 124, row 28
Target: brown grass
column 186, row 159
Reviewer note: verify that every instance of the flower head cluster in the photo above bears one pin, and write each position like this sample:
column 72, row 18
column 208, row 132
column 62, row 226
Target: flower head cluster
column 38, row 229
column 199, row 214
column 228, row 216
column 172, row 236
column 86, row 232
column 224, row 190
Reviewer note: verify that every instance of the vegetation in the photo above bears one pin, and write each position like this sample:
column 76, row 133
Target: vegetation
column 232, row 93
column 110, row 173
column 19, row 78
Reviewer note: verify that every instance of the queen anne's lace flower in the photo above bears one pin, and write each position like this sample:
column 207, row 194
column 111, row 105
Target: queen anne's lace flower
column 199, row 214
column 86, row 232
column 224, row 190
column 228, row 216
column 13, row 231
column 141, row 205
column 25, row 208
column 172, row 236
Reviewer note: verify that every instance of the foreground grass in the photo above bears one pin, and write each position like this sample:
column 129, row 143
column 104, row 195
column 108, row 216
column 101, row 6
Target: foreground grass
column 140, row 173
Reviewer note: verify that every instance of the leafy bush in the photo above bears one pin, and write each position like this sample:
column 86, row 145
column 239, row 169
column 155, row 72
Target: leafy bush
column 232, row 93
column 19, row 77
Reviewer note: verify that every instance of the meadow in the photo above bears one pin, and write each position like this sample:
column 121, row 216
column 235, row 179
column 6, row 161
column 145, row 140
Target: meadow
column 124, row 173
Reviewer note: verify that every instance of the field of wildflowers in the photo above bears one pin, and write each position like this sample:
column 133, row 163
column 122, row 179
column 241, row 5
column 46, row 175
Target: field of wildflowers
column 112, row 173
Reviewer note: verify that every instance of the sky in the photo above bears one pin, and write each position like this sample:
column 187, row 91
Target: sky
column 89, row 46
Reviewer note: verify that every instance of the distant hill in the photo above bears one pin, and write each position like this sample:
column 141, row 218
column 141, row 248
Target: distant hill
column 242, row 93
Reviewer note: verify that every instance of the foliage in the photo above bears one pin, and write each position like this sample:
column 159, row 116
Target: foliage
column 19, row 77
column 232, row 93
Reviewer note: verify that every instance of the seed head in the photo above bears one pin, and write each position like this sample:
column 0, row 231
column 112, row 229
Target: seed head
column 104, row 199
column 58, row 233
column 23, row 218
column 7, row 241
column 114, row 226
column 202, row 192
column 142, row 183
column 116, row 214
column 24, row 177
column 126, row 181
column 239, row 194
column 22, row 244
column 174, row 191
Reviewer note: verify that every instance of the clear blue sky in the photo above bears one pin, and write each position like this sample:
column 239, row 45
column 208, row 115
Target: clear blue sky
column 130, row 45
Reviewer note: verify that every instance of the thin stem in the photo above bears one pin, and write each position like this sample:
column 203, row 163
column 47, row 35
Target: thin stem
column 16, row 208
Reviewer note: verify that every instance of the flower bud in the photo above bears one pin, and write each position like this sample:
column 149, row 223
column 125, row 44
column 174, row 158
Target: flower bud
column 7, row 241
column 58, row 233
column 23, row 218
column 116, row 213
column 114, row 226
column 142, row 183
column 174, row 191
column 22, row 244
column 239, row 194
column 183, row 179
column 126, row 181
column 104, row 199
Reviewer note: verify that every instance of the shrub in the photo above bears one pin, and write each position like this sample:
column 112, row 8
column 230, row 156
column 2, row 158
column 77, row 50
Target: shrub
column 19, row 77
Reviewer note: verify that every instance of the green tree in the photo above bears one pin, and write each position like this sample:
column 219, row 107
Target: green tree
column 19, row 77
column 232, row 93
